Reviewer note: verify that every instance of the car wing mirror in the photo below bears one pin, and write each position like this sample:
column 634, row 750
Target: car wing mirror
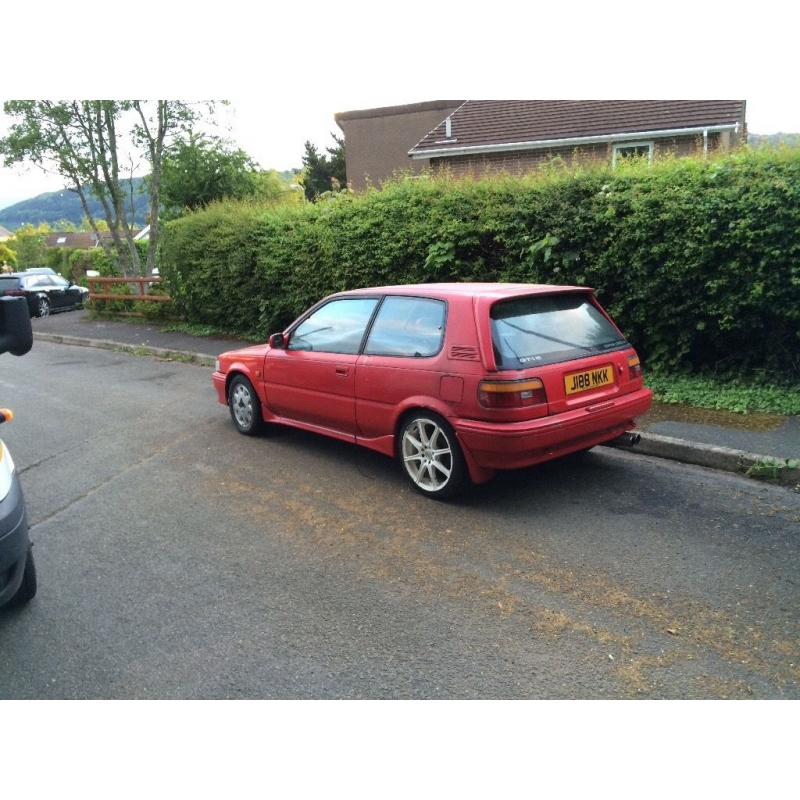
column 16, row 334
column 277, row 341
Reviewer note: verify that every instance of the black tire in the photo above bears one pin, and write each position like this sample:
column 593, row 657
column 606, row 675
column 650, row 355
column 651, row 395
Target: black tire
column 439, row 476
column 245, row 406
column 42, row 307
column 27, row 589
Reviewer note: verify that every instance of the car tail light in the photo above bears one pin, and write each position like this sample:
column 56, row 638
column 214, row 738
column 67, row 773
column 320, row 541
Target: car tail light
column 634, row 368
column 511, row 394
column 14, row 293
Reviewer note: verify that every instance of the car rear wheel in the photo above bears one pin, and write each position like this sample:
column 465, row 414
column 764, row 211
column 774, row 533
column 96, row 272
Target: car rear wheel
column 431, row 456
column 43, row 307
column 245, row 406
column 27, row 589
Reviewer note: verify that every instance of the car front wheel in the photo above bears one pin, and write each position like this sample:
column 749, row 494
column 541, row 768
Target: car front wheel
column 431, row 456
column 27, row 589
column 43, row 307
column 245, row 406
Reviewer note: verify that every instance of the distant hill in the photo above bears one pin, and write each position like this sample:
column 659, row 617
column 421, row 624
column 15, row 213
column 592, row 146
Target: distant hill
column 53, row 207
column 773, row 139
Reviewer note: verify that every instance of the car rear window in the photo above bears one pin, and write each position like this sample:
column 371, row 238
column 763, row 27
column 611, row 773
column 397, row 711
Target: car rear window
column 546, row 329
column 8, row 283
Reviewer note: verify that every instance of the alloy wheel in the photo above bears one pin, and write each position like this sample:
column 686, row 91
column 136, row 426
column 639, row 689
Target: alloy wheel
column 242, row 405
column 427, row 454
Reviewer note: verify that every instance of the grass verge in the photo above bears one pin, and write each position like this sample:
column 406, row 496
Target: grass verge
column 734, row 395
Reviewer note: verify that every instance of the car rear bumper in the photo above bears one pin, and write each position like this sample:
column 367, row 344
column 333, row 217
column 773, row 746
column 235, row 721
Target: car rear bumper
column 14, row 542
column 218, row 381
column 494, row 445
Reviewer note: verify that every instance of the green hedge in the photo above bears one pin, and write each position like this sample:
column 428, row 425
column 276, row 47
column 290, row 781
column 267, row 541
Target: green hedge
column 698, row 261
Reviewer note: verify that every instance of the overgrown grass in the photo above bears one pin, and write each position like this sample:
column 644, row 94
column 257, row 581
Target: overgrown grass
column 201, row 330
column 727, row 395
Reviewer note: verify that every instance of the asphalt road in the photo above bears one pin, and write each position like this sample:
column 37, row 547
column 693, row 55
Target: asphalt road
column 179, row 559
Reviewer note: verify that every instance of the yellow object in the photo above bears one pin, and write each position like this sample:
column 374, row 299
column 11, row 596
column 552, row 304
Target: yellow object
column 588, row 379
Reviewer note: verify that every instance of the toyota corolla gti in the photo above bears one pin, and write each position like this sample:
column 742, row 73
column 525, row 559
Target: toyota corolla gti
column 454, row 380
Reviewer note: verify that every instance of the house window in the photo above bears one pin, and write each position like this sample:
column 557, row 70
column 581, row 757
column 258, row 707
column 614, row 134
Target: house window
column 632, row 150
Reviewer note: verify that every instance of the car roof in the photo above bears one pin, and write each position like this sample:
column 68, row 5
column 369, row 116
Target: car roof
column 495, row 291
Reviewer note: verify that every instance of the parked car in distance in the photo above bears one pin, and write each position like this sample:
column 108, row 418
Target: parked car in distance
column 17, row 568
column 455, row 380
column 44, row 292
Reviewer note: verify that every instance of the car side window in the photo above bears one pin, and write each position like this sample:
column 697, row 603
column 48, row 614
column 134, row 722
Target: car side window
column 337, row 327
column 36, row 282
column 407, row 326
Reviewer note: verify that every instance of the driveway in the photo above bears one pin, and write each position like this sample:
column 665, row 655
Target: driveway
column 179, row 559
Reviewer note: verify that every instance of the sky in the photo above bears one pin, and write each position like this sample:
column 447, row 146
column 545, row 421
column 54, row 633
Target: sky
column 288, row 70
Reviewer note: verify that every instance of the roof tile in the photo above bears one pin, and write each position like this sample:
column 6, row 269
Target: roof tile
column 494, row 122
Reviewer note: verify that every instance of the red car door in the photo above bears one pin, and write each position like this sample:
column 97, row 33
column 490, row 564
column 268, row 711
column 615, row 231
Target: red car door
column 312, row 379
column 401, row 359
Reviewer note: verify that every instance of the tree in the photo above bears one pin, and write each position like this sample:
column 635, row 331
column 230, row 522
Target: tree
column 84, row 142
column 270, row 187
column 100, row 225
column 167, row 118
column 323, row 173
column 8, row 258
column 199, row 169
column 29, row 245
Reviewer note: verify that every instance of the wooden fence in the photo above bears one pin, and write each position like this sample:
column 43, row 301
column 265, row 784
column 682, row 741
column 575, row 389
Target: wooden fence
column 141, row 297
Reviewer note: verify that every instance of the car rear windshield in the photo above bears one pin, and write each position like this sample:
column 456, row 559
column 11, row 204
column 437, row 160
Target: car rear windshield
column 546, row 329
column 8, row 283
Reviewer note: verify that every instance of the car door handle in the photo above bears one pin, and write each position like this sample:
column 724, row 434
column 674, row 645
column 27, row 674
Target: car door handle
column 343, row 371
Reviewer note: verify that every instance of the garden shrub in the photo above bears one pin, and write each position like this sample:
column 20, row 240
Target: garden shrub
column 698, row 261
column 95, row 258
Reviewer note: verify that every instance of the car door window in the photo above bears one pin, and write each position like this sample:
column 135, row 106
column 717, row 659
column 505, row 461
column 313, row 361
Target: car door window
column 37, row 282
column 337, row 327
column 407, row 326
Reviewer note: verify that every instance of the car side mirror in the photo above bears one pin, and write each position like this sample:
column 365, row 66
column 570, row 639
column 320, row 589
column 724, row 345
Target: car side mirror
column 16, row 334
column 277, row 341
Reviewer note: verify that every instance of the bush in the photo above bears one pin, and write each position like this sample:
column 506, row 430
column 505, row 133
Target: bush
column 115, row 306
column 698, row 261
column 95, row 258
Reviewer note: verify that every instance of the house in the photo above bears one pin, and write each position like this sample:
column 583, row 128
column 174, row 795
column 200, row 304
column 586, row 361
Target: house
column 82, row 240
column 5, row 234
column 143, row 235
column 518, row 135
column 377, row 139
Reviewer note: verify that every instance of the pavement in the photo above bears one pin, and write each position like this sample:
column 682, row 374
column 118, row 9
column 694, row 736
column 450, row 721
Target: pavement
column 139, row 334
column 178, row 559
column 769, row 434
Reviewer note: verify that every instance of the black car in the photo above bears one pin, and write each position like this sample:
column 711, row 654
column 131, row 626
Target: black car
column 44, row 293
column 17, row 569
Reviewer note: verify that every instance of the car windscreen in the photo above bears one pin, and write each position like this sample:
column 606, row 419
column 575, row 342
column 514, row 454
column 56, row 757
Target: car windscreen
column 546, row 329
column 8, row 283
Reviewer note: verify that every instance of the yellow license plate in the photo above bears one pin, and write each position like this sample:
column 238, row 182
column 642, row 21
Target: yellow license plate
column 588, row 379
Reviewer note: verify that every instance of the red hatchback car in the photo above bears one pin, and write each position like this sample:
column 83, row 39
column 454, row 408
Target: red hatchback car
column 456, row 380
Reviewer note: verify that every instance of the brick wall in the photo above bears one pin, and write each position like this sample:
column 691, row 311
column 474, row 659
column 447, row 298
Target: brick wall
column 377, row 140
